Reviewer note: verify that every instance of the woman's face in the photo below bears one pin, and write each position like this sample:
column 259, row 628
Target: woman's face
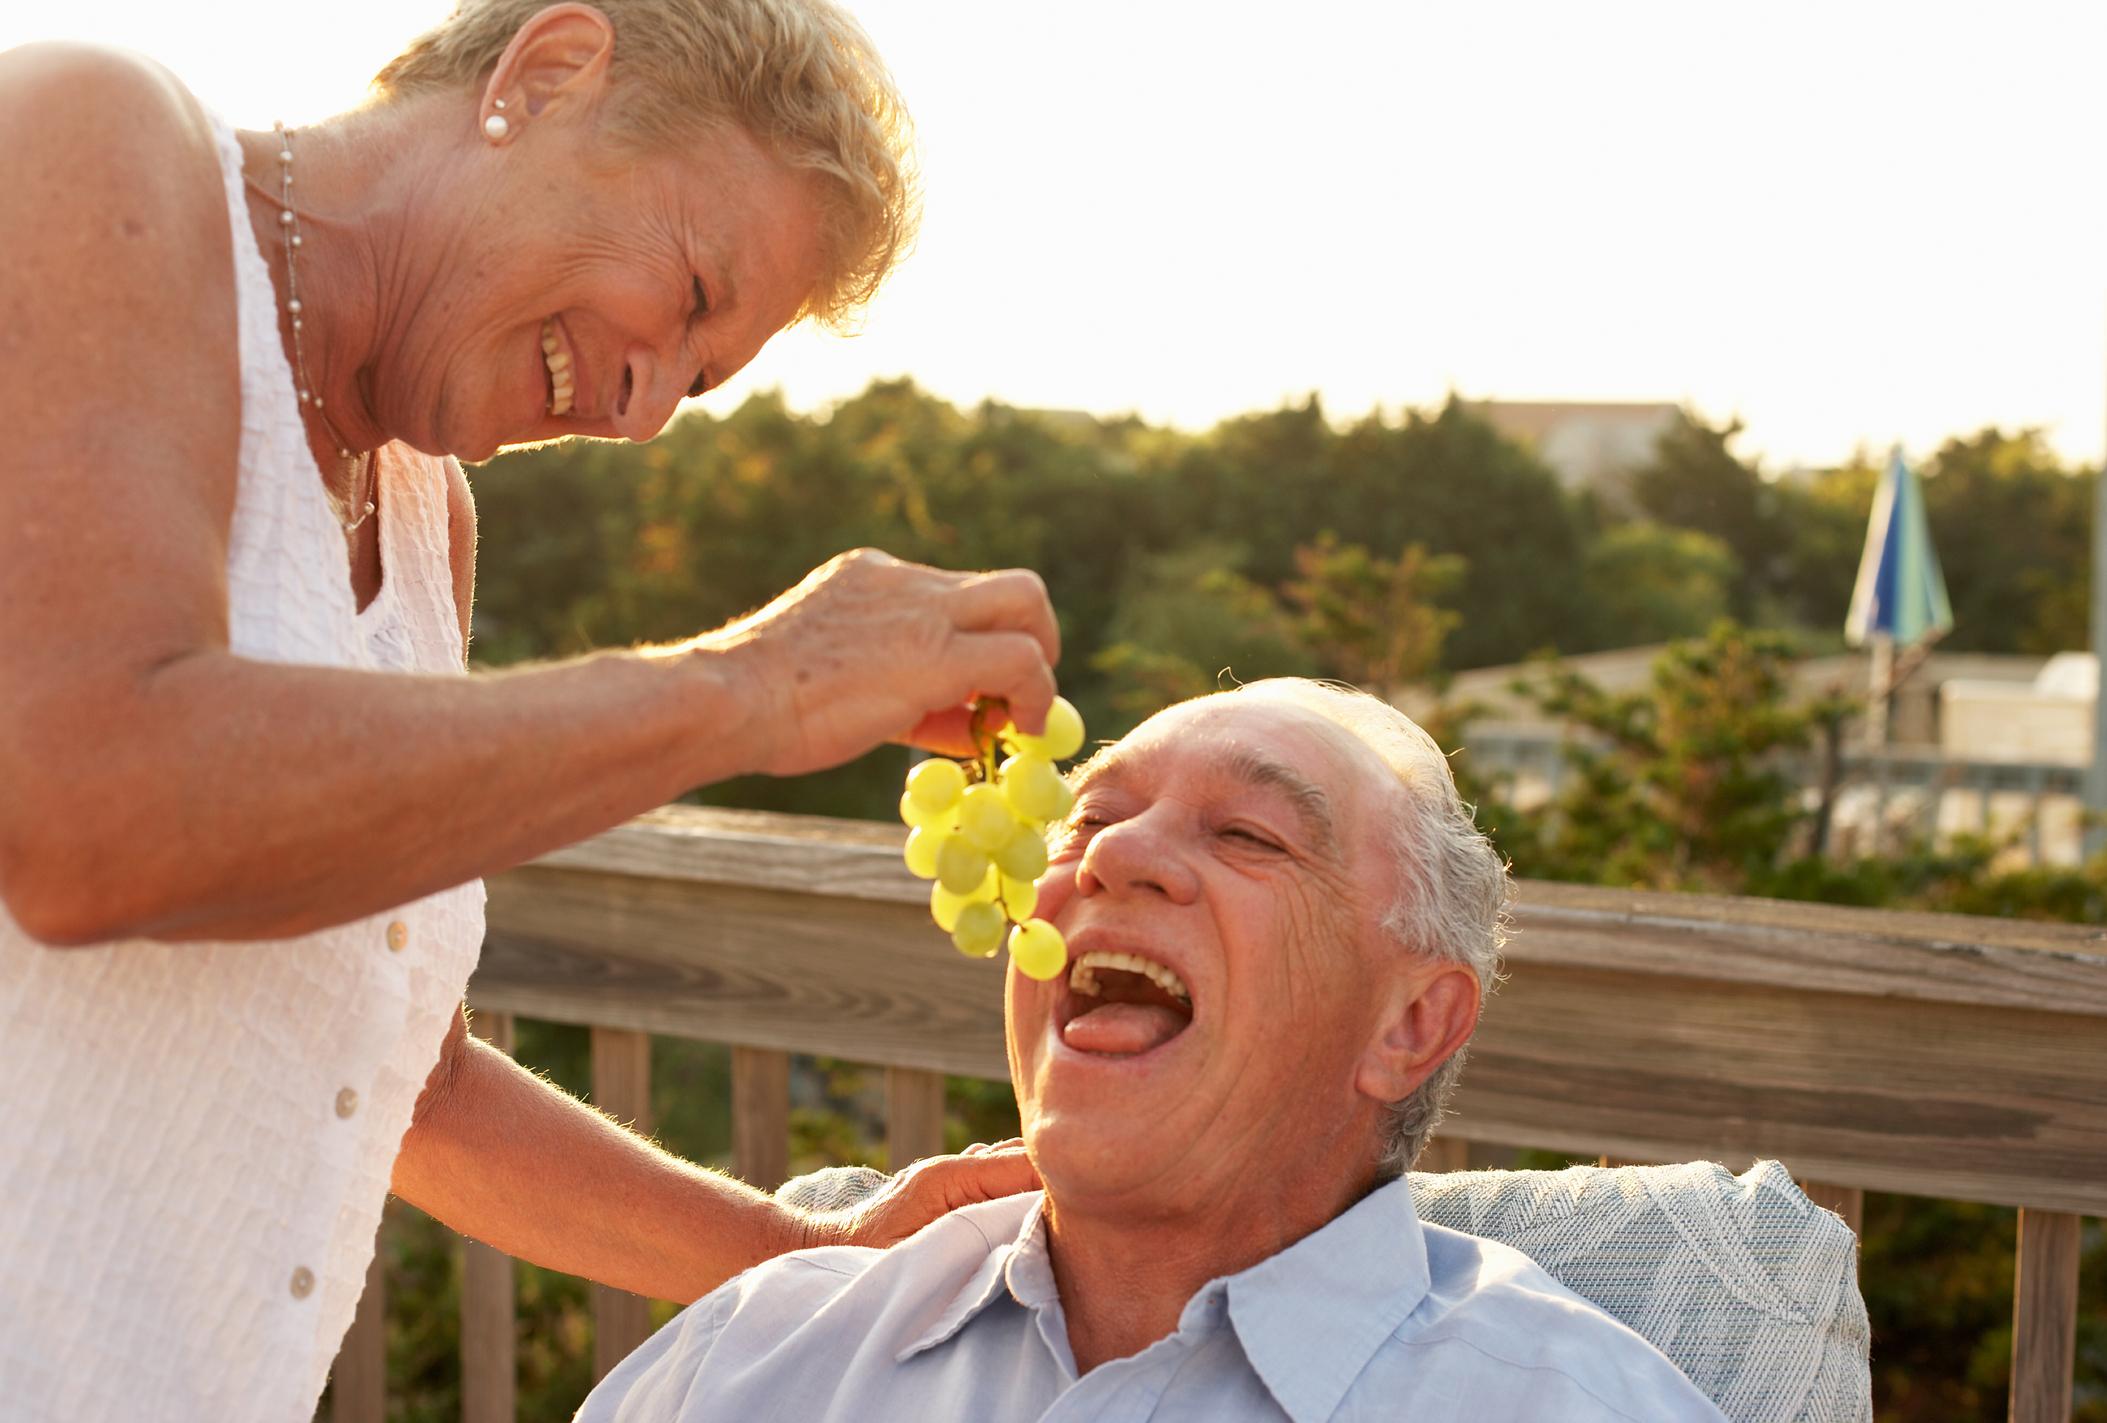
column 592, row 292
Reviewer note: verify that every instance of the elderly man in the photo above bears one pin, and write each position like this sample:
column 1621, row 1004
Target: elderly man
column 1282, row 923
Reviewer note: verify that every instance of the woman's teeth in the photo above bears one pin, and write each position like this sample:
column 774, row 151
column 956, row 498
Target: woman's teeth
column 558, row 360
column 1082, row 977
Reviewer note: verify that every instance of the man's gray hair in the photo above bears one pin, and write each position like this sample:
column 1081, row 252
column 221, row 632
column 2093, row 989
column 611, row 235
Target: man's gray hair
column 1453, row 886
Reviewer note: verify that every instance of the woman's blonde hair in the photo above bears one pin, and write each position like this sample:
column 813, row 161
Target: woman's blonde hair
column 800, row 76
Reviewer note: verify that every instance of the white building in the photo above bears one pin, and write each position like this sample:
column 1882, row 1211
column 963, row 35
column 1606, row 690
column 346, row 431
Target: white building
column 2049, row 719
column 1587, row 444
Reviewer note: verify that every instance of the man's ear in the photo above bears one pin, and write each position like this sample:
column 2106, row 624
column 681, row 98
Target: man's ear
column 559, row 56
column 1429, row 1016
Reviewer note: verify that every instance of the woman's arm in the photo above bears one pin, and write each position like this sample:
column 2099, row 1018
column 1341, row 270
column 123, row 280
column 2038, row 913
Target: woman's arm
column 154, row 784
column 501, row 1155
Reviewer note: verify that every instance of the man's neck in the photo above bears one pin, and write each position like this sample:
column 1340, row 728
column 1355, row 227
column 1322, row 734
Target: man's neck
column 1125, row 1276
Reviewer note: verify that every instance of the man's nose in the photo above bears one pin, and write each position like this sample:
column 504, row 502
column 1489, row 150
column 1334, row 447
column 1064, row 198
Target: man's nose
column 1142, row 854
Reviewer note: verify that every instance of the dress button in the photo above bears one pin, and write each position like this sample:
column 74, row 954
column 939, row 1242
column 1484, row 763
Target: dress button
column 303, row 1282
column 347, row 1102
column 398, row 936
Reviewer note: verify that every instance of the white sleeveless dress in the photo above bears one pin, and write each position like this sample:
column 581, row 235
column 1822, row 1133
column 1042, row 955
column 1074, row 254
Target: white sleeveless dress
column 196, row 1139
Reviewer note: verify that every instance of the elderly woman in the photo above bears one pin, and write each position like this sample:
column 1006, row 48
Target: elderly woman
column 247, row 789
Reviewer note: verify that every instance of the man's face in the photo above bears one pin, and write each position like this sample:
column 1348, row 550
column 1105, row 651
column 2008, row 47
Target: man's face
column 1240, row 843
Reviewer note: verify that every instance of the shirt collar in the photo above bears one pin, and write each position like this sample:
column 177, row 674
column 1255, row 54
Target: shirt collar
column 1018, row 1267
column 1311, row 1317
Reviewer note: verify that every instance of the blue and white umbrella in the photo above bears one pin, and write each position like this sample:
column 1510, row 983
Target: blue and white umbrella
column 1900, row 592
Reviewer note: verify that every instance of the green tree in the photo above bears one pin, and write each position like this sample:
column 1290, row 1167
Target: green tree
column 2013, row 528
column 1374, row 622
column 1826, row 513
column 1649, row 583
column 1187, row 621
column 1695, row 481
column 1678, row 785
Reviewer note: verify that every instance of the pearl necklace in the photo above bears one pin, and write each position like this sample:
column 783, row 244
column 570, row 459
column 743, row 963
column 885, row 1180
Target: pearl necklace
column 289, row 225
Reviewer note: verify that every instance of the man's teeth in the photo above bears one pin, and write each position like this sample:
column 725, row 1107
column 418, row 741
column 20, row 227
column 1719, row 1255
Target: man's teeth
column 1082, row 977
column 558, row 360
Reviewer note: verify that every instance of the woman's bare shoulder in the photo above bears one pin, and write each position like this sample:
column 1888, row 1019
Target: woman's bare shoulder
column 120, row 381
column 87, row 129
column 62, row 100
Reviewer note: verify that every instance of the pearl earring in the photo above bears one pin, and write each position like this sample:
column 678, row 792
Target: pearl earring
column 496, row 127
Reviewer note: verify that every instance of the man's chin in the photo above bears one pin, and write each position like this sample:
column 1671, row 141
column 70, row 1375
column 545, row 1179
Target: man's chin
column 1099, row 1122
column 1087, row 1157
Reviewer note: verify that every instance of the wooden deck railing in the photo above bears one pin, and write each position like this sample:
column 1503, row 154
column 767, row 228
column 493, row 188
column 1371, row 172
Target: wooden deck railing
column 1928, row 1054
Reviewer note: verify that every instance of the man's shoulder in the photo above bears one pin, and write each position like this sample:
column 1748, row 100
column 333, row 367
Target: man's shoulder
column 793, row 1322
column 1516, row 1322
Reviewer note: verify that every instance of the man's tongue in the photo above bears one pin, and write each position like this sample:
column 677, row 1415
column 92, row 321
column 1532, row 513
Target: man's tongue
column 1123, row 1028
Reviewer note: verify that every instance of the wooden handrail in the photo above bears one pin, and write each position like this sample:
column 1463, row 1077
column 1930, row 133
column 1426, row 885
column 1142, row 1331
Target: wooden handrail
column 1931, row 1054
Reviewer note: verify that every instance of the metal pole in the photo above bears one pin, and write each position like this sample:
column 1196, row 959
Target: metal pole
column 2096, row 775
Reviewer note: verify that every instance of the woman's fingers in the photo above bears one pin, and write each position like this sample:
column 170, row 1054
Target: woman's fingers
column 870, row 649
column 947, row 733
column 939, row 1186
column 1012, row 599
column 1009, row 665
column 1002, row 665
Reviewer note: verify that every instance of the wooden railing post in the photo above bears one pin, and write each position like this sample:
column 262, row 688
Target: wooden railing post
column 1444, row 1153
column 761, row 1116
column 359, row 1378
column 489, row 1313
column 2045, row 1317
column 914, row 1115
column 622, row 1089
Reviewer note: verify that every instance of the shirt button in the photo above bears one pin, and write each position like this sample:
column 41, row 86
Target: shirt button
column 398, row 936
column 303, row 1282
column 347, row 1102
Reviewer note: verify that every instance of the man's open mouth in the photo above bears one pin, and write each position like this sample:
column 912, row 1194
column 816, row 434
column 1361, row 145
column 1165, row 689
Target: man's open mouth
column 1121, row 1005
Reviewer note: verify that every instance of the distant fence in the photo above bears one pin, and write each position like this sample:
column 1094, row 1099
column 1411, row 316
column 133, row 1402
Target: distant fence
column 1885, row 797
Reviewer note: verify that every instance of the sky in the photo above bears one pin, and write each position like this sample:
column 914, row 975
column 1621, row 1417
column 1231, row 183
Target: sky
column 1847, row 223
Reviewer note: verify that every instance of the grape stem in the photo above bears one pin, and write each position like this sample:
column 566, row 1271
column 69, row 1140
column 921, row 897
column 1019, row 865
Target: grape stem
column 983, row 737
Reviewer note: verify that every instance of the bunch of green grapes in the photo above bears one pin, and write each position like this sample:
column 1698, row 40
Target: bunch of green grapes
column 979, row 831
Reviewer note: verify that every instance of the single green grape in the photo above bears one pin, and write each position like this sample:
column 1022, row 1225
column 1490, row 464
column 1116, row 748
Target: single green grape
column 943, row 822
column 978, row 932
column 944, row 906
column 1018, row 897
column 1034, row 788
column 984, row 817
column 1038, row 949
column 1062, row 738
column 961, row 866
column 936, row 784
column 920, row 854
column 1023, row 854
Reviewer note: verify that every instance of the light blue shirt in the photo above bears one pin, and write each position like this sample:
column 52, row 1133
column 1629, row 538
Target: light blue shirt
column 1373, row 1317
